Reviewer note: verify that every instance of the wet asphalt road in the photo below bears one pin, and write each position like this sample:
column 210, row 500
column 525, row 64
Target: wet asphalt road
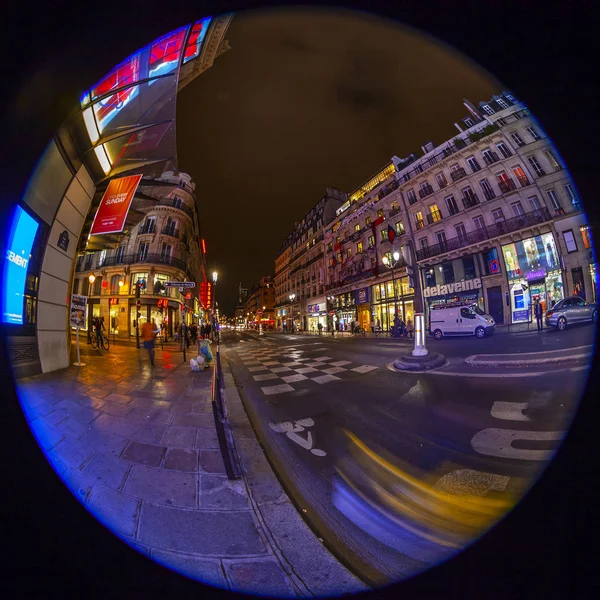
column 440, row 425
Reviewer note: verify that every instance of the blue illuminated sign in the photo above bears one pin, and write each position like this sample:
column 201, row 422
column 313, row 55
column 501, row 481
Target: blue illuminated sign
column 20, row 240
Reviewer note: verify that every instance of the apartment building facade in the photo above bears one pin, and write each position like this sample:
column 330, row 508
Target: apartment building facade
column 165, row 246
column 490, row 217
column 261, row 297
column 301, row 279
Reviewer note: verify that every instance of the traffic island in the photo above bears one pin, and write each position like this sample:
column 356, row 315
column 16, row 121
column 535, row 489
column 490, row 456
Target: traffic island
column 430, row 361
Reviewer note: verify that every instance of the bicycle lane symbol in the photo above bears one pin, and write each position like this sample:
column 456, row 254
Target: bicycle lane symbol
column 293, row 428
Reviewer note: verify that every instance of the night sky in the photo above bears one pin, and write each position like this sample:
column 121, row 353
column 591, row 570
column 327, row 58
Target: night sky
column 306, row 100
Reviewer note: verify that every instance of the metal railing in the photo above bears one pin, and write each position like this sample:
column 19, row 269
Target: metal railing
column 178, row 204
column 425, row 191
column 170, row 231
column 523, row 181
column 489, row 194
column 486, row 233
column 470, row 201
column 490, row 158
column 458, row 174
column 434, row 217
column 507, row 185
column 224, row 433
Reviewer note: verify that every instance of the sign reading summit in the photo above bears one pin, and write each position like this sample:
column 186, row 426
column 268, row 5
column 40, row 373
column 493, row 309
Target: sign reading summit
column 114, row 205
column 20, row 240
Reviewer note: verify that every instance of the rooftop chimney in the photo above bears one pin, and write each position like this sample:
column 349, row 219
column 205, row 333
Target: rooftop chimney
column 428, row 147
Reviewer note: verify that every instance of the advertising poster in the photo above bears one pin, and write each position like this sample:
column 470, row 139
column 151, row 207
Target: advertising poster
column 77, row 315
column 114, row 205
column 20, row 241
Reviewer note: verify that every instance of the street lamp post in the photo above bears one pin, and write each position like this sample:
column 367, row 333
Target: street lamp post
column 215, row 276
column 91, row 279
column 292, row 298
column 392, row 264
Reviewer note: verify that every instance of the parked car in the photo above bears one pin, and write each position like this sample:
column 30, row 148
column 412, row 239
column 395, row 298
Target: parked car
column 460, row 320
column 571, row 310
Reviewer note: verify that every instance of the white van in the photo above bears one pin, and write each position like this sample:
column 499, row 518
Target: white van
column 460, row 320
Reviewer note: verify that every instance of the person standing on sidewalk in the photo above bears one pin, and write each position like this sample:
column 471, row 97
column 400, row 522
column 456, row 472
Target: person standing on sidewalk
column 149, row 331
column 320, row 328
column 538, row 312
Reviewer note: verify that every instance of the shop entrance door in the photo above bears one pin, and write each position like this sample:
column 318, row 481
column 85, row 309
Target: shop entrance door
column 495, row 308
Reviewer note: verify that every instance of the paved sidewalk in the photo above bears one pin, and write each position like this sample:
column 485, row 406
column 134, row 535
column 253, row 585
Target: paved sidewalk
column 138, row 447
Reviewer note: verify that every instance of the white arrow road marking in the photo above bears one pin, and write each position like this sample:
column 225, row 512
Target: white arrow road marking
column 510, row 411
column 292, row 429
column 498, row 442
column 467, row 482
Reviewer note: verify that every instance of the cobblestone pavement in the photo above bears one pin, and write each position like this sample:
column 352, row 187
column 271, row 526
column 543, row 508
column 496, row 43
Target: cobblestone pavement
column 137, row 446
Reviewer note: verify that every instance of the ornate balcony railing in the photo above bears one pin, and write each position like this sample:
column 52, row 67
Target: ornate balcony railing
column 486, row 233
column 425, row 191
column 523, row 181
column 490, row 158
column 507, row 186
column 170, row 231
column 458, row 174
column 434, row 217
column 470, row 201
column 147, row 228
column 178, row 204
column 489, row 194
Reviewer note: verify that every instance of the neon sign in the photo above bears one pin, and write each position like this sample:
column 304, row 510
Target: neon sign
column 20, row 240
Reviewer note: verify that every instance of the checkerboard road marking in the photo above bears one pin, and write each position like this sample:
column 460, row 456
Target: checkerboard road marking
column 292, row 364
column 277, row 389
column 294, row 378
column 281, row 370
column 271, row 363
column 265, row 377
column 323, row 358
column 363, row 369
column 325, row 378
column 306, row 370
column 340, row 363
column 334, row 370
column 255, row 369
column 314, row 364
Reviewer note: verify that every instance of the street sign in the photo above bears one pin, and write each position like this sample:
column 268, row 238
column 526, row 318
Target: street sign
column 259, row 312
column 180, row 284
column 138, row 303
column 332, row 312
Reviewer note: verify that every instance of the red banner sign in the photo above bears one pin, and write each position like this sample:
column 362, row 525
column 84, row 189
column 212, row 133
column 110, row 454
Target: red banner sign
column 206, row 294
column 114, row 205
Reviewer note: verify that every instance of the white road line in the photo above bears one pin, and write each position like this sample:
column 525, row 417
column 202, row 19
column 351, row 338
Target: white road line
column 294, row 378
column 364, row 368
column 510, row 411
column 519, row 354
column 500, row 374
column 277, row 389
column 340, row 363
column 334, row 370
column 498, row 442
column 307, row 370
column 325, row 378
column 265, row 377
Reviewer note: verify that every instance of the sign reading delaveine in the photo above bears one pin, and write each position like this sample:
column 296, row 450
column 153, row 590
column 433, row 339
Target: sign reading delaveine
column 20, row 240
column 452, row 288
column 114, row 205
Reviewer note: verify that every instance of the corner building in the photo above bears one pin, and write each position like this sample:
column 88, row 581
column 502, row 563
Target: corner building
column 164, row 246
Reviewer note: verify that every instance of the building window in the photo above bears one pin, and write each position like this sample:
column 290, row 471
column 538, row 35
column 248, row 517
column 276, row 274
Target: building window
column 410, row 195
column 498, row 215
column 165, row 252
column 384, row 235
column 329, row 247
column 88, row 262
column 135, row 277
column 76, row 285
column 380, row 214
column 356, row 228
column 535, row 203
column 535, row 165
column 520, row 175
column 479, row 222
column 441, row 237
column 468, row 122
column 533, row 133
column 441, row 180
column 419, row 220
column 488, row 109
column 371, row 241
column 448, row 272
column 570, row 241
column 517, row 139
column 399, row 228
column 572, row 197
column 359, row 247
column 348, row 253
column 517, row 209
column 554, row 200
column 487, row 189
column 367, row 222
column 423, row 243
column 435, row 213
column 469, row 267
column 510, row 97
column 461, row 232
column 451, row 204
column 586, row 236
column 143, row 251
column 472, row 161
column 552, row 160
column 501, row 103
column 114, row 284
column 503, row 149
column 101, row 257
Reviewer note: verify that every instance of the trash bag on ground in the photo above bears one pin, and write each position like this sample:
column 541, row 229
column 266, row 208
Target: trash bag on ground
column 194, row 366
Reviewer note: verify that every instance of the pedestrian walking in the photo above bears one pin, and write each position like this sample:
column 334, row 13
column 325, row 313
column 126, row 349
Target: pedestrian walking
column 149, row 331
column 194, row 333
column 538, row 312
column 320, row 328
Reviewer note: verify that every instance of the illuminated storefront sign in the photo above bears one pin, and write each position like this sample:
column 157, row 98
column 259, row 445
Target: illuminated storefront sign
column 316, row 308
column 114, row 205
column 362, row 296
column 197, row 35
column 20, row 241
column 451, row 288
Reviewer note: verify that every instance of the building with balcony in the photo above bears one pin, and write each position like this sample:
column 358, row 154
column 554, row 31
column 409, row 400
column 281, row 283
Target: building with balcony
column 490, row 216
column 163, row 247
column 261, row 297
column 300, row 268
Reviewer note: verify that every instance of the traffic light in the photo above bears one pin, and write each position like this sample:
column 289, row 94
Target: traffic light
column 137, row 289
